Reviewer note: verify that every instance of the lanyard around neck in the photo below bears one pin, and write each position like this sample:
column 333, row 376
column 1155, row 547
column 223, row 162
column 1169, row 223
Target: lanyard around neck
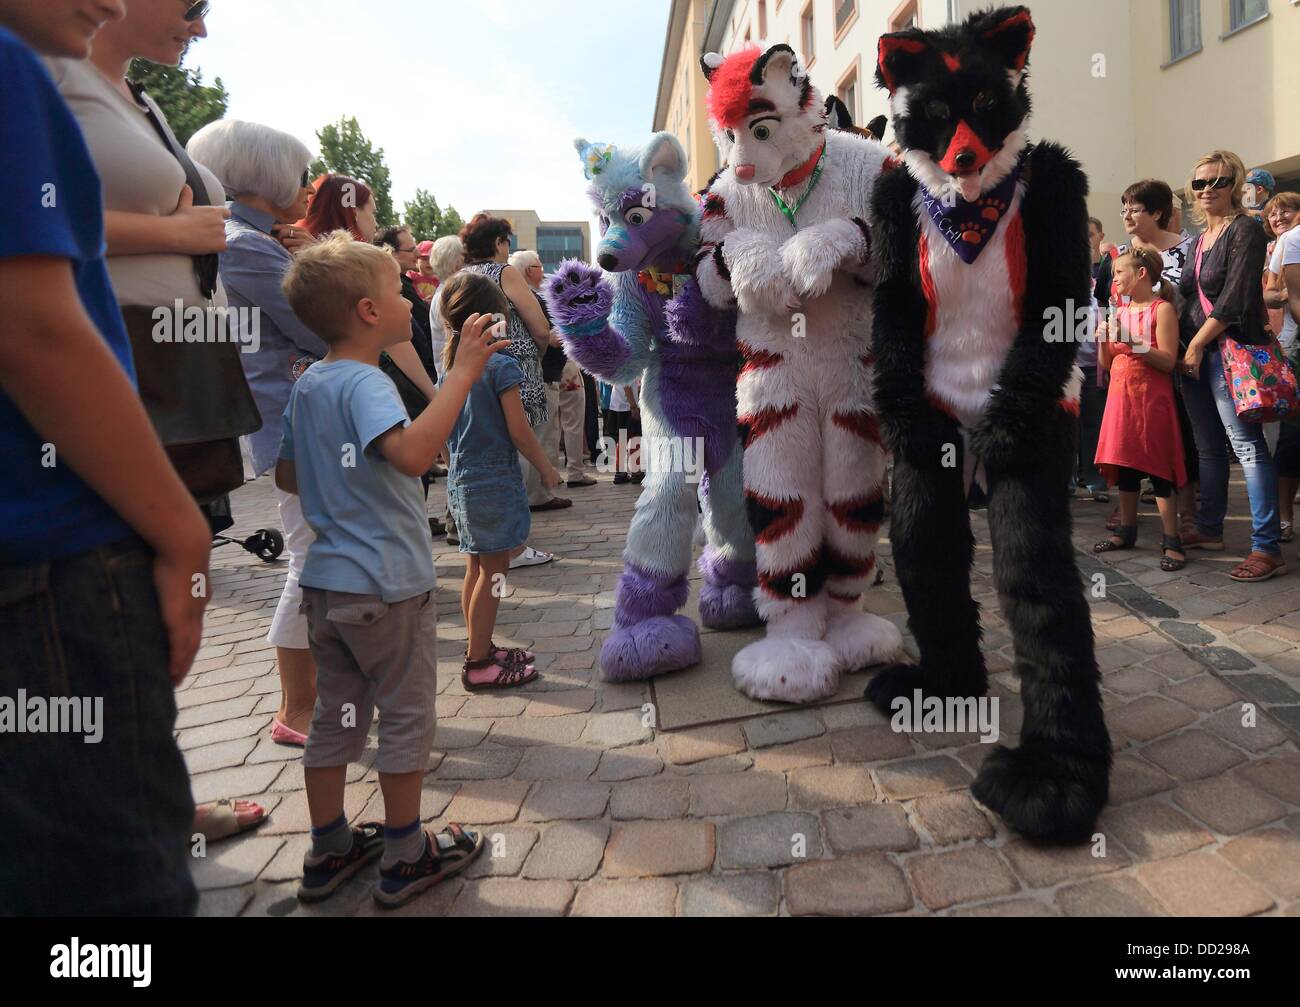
column 790, row 211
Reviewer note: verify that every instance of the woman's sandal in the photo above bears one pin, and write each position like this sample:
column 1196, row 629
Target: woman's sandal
column 1258, row 566
column 1172, row 543
column 510, row 674
column 1112, row 522
column 1127, row 535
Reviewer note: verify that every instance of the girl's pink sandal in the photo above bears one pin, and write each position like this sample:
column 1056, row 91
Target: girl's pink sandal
column 281, row 734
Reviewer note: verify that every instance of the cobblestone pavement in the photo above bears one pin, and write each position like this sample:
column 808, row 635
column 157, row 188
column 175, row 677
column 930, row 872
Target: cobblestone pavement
column 824, row 810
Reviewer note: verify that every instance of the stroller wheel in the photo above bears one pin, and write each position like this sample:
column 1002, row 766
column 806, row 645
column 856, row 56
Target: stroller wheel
column 265, row 543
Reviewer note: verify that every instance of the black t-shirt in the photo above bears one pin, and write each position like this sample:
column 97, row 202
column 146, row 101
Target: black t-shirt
column 553, row 360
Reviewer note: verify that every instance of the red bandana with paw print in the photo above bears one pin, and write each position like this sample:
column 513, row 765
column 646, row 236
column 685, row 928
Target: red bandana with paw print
column 967, row 227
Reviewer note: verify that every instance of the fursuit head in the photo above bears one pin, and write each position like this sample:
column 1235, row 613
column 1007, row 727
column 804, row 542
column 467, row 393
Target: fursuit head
column 785, row 238
column 981, row 250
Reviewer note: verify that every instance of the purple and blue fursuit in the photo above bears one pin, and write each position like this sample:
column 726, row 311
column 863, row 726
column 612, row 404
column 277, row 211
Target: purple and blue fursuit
column 652, row 323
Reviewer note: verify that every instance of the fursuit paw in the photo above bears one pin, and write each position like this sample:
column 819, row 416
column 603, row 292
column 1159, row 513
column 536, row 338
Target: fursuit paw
column 580, row 298
column 811, row 257
column 757, row 277
column 787, row 669
column 903, row 680
column 861, row 639
column 1045, row 794
column 651, row 647
column 728, row 606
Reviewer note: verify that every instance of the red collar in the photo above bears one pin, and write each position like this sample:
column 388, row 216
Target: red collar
column 796, row 175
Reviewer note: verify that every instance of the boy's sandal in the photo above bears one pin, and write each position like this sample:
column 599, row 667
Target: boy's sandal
column 220, row 820
column 509, row 676
column 1193, row 539
column 322, row 879
column 1259, row 566
column 445, row 853
column 1127, row 535
column 1172, row 543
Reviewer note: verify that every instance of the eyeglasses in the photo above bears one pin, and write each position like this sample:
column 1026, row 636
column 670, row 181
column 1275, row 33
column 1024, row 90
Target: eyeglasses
column 198, row 10
column 1132, row 211
column 1198, row 184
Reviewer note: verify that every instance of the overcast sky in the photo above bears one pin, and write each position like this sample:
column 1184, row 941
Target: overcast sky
column 477, row 101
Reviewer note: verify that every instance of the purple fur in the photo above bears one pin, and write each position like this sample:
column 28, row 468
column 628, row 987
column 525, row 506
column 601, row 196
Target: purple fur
column 580, row 299
column 727, row 596
column 643, row 595
column 692, row 321
column 721, row 571
column 661, row 644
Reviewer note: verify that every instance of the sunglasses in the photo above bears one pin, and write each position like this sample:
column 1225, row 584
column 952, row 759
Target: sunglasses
column 1198, row 184
column 198, row 10
column 306, row 179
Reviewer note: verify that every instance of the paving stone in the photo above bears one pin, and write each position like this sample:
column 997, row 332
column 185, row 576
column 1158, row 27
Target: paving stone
column 1119, row 895
column 902, row 781
column 1289, row 716
column 1268, row 688
column 212, row 693
column 843, row 716
column 796, row 755
column 291, row 815
column 1134, row 681
column 770, row 840
column 818, row 787
column 614, row 730
column 1132, row 777
column 868, row 884
column 1204, row 692
column 435, row 796
column 722, row 764
column 212, row 713
column 1226, row 659
column 222, row 755
column 513, row 897
column 1149, row 717
column 1186, row 632
column 485, row 762
column 737, row 793
column 629, row 763
column 952, row 818
column 568, row 850
column 1193, row 754
column 557, row 704
column 487, row 802
column 1228, row 805
column 1016, row 908
column 782, row 728
column 234, row 862
column 504, row 851
column 565, row 799
column 875, row 743
column 639, row 897
column 749, row 893
column 870, row 827
column 1044, row 866
column 1247, row 726
column 225, row 730
column 539, row 731
column 695, row 744
column 1203, row 884
column 963, row 875
column 224, row 902
column 1152, row 830
column 657, row 798
column 640, row 849
column 241, row 781
column 557, row 762
column 1269, row 856
column 1176, row 665
column 457, row 733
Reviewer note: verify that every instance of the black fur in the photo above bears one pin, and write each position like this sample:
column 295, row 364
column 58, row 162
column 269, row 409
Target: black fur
column 1053, row 787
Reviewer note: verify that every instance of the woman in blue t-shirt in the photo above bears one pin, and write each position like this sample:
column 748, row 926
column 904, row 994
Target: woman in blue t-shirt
column 485, row 486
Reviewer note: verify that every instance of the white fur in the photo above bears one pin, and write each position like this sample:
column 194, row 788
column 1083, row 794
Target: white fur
column 859, row 638
column 926, row 170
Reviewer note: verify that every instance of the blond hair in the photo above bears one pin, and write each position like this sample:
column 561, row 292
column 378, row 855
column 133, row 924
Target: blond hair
column 1225, row 159
column 1150, row 260
column 329, row 277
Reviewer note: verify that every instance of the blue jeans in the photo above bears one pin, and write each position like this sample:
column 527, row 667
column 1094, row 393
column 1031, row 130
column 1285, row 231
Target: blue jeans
column 1092, row 407
column 1210, row 407
column 100, row 828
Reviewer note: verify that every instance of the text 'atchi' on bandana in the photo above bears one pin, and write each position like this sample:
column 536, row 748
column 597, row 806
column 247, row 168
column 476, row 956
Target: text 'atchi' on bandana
column 967, row 227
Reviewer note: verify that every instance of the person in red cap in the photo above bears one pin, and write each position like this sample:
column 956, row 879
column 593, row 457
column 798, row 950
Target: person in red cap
column 423, row 276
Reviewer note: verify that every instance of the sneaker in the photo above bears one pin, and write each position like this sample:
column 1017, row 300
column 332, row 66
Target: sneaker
column 584, row 481
column 455, row 849
column 322, row 876
column 437, row 528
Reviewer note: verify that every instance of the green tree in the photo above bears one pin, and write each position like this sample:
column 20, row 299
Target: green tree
column 426, row 220
column 345, row 150
column 188, row 103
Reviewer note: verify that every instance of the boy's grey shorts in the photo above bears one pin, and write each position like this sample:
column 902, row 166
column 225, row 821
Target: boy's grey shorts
column 372, row 654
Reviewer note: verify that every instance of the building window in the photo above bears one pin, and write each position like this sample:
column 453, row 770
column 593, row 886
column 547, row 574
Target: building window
column 845, row 11
column 904, row 16
column 555, row 244
column 806, row 34
column 762, row 18
column 1184, row 28
column 1244, row 12
column 847, row 91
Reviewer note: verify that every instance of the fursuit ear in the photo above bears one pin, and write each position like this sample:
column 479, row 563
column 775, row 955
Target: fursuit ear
column 779, row 59
column 899, row 58
column 876, row 127
column 664, row 153
column 837, row 114
column 1010, row 31
column 709, row 62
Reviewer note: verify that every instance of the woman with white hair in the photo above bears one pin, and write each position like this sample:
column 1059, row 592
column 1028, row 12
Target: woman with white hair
column 264, row 171
column 445, row 259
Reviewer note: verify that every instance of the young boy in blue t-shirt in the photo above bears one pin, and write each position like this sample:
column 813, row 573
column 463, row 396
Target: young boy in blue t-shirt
column 354, row 457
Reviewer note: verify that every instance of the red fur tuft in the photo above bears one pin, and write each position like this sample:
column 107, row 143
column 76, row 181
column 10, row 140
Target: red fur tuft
column 730, row 87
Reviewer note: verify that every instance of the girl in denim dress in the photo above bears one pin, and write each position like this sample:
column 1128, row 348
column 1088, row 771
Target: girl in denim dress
column 485, row 487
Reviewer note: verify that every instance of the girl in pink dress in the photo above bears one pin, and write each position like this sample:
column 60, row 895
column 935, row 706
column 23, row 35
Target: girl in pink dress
column 1139, row 431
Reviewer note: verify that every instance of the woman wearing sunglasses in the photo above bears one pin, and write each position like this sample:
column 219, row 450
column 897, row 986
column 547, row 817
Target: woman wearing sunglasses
column 1223, row 269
